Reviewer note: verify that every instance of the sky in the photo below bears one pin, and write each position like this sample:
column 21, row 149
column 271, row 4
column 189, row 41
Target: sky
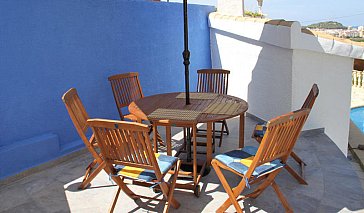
column 347, row 12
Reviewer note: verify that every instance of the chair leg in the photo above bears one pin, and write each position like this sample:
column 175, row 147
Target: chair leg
column 221, row 133
column 119, row 181
column 231, row 194
column 226, row 127
column 159, row 137
column 185, row 138
column 297, row 159
column 213, row 132
column 237, row 190
column 89, row 170
column 213, row 136
column 90, row 175
column 171, row 188
column 298, row 177
column 266, row 182
column 115, row 200
column 165, row 189
column 281, row 197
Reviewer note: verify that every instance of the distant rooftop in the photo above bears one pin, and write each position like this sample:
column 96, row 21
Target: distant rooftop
column 328, row 36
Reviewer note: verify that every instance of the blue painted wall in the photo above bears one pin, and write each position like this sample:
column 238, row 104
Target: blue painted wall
column 46, row 47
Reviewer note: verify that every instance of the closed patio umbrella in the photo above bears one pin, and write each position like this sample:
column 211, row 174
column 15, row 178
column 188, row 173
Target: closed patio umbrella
column 186, row 62
column 186, row 53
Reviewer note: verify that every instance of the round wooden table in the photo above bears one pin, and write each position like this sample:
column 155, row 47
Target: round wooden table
column 204, row 108
column 170, row 109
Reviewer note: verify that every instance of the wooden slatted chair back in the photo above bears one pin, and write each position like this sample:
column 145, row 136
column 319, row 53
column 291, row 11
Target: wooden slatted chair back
column 77, row 112
column 311, row 98
column 126, row 89
column 125, row 143
column 280, row 137
column 213, row 80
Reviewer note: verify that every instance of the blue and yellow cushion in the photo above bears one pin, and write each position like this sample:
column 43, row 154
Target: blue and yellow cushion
column 260, row 129
column 240, row 161
column 165, row 163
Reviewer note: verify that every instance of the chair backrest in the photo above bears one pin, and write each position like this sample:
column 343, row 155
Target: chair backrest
column 126, row 89
column 279, row 139
column 311, row 98
column 77, row 112
column 213, row 80
column 125, row 143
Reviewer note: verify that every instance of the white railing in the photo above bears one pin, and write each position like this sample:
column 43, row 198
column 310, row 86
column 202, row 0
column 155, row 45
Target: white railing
column 358, row 78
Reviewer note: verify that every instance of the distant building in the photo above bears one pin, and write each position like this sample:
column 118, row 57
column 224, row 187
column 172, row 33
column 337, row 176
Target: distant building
column 350, row 34
column 342, row 33
column 361, row 31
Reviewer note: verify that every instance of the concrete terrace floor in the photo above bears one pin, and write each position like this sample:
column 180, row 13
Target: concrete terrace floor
column 335, row 184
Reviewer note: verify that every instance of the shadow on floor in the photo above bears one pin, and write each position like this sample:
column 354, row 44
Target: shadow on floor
column 333, row 185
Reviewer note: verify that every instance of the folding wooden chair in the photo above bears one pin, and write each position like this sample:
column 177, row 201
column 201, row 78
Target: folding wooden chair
column 128, row 153
column 261, row 165
column 214, row 81
column 260, row 129
column 79, row 117
column 126, row 89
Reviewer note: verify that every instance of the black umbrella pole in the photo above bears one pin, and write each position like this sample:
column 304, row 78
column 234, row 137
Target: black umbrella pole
column 186, row 53
column 186, row 62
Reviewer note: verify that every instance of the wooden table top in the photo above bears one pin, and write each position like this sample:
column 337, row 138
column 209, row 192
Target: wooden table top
column 215, row 108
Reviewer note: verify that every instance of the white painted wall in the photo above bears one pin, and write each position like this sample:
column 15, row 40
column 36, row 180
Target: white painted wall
column 332, row 108
column 273, row 67
column 260, row 73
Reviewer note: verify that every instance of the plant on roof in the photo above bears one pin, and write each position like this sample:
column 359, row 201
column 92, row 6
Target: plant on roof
column 253, row 14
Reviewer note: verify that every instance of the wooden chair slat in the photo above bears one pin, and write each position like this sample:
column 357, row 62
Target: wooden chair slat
column 126, row 89
column 126, row 147
column 79, row 116
column 308, row 103
column 214, row 81
column 122, row 149
column 277, row 143
column 119, row 151
column 119, row 138
column 143, row 149
column 138, row 149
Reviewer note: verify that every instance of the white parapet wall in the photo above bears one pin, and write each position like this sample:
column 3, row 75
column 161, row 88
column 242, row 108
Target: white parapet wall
column 273, row 66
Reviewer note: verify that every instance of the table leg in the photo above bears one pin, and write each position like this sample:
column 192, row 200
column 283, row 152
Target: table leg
column 209, row 143
column 168, row 140
column 194, row 132
column 241, row 130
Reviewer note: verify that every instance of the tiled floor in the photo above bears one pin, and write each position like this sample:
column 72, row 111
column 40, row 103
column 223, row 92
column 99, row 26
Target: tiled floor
column 335, row 184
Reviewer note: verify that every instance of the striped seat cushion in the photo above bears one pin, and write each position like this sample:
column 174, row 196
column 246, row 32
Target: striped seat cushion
column 260, row 129
column 165, row 162
column 240, row 161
